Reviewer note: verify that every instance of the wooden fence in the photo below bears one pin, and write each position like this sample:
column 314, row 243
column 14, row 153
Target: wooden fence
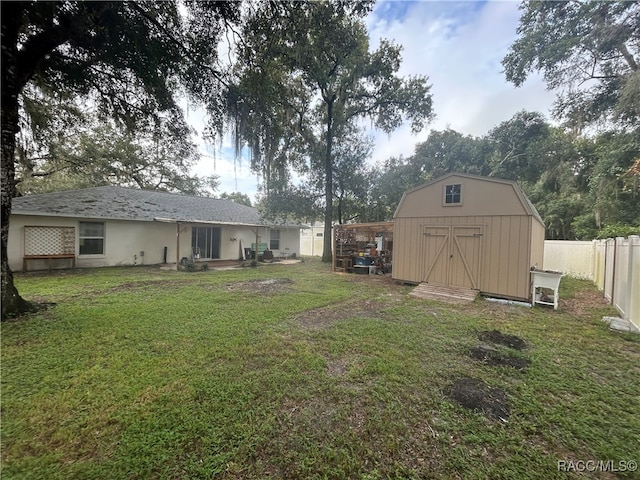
column 612, row 264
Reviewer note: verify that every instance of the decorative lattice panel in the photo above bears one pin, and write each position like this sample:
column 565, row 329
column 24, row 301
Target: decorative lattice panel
column 49, row 240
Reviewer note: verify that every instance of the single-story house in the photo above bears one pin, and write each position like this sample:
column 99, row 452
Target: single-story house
column 109, row 226
column 471, row 232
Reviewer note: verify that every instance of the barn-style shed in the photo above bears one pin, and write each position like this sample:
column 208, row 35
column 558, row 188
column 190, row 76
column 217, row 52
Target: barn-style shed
column 471, row 232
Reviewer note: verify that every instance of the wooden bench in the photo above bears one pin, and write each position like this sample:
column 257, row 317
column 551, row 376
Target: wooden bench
column 261, row 247
column 49, row 258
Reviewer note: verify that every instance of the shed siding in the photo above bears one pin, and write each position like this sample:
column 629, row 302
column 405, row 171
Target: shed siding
column 504, row 255
column 479, row 197
column 537, row 244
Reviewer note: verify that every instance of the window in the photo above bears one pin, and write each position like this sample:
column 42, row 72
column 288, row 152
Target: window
column 274, row 242
column 453, row 194
column 319, row 234
column 91, row 238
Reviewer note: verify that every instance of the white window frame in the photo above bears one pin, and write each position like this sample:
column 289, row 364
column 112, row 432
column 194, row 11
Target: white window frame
column 452, row 195
column 274, row 241
column 102, row 237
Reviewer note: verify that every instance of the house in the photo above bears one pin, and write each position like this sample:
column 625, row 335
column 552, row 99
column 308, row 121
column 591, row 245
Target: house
column 471, row 232
column 109, row 226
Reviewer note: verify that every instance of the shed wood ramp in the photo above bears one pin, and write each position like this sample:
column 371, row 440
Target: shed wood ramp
column 443, row 293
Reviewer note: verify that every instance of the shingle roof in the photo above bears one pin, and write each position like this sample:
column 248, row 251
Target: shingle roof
column 131, row 204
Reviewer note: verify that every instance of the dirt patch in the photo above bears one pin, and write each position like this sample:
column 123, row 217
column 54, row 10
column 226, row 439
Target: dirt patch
column 583, row 302
column 386, row 281
column 499, row 338
column 322, row 317
column 496, row 311
column 337, row 368
column 492, row 356
column 35, row 305
column 145, row 284
column 476, row 395
column 270, row 285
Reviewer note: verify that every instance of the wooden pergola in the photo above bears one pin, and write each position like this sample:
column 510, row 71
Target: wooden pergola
column 358, row 239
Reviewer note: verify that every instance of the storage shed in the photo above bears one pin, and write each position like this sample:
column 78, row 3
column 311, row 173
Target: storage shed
column 471, row 232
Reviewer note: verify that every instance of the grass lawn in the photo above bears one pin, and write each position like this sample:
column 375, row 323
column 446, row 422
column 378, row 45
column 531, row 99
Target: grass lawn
column 291, row 371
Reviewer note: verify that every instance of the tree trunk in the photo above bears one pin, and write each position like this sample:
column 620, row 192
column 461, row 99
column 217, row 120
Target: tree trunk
column 12, row 303
column 327, row 254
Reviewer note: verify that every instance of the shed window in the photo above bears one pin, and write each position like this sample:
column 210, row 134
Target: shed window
column 453, row 194
column 274, row 241
column 91, row 238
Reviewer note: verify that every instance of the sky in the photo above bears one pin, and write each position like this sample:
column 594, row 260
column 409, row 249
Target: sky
column 459, row 46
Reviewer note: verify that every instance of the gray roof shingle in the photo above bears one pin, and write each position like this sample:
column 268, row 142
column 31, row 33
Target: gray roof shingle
column 132, row 204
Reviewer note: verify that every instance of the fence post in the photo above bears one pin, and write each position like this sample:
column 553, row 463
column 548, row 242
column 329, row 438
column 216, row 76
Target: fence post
column 594, row 260
column 609, row 268
column 633, row 283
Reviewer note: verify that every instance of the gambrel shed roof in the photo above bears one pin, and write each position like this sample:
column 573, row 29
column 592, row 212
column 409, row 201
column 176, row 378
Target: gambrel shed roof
column 493, row 196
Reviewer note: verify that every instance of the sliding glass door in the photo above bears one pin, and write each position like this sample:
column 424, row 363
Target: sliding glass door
column 205, row 242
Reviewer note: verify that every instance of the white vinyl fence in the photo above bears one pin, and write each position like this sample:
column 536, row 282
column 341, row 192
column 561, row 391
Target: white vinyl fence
column 612, row 264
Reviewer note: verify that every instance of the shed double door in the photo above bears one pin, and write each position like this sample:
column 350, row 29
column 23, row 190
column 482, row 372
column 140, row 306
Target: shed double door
column 452, row 255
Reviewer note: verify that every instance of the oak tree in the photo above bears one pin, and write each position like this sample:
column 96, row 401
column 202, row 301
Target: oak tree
column 129, row 58
column 588, row 51
column 327, row 79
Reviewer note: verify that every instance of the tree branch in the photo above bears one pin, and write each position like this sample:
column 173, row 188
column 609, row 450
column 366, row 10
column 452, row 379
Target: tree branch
column 622, row 48
column 185, row 51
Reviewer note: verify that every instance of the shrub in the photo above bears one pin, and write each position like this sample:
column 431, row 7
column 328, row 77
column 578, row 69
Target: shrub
column 618, row 230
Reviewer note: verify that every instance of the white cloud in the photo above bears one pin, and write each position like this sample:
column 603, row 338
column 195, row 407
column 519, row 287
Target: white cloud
column 459, row 46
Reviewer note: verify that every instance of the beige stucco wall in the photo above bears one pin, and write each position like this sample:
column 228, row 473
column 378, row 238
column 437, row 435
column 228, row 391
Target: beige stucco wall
column 125, row 240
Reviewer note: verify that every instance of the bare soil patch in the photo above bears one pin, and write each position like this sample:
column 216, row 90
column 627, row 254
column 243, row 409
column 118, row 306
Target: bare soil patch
column 499, row 338
column 337, row 367
column 476, row 395
column 144, row 284
column 492, row 356
column 324, row 316
column 583, row 302
column 389, row 283
column 269, row 285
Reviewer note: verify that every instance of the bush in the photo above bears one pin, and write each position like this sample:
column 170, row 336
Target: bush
column 618, row 230
column 195, row 267
column 189, row 267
